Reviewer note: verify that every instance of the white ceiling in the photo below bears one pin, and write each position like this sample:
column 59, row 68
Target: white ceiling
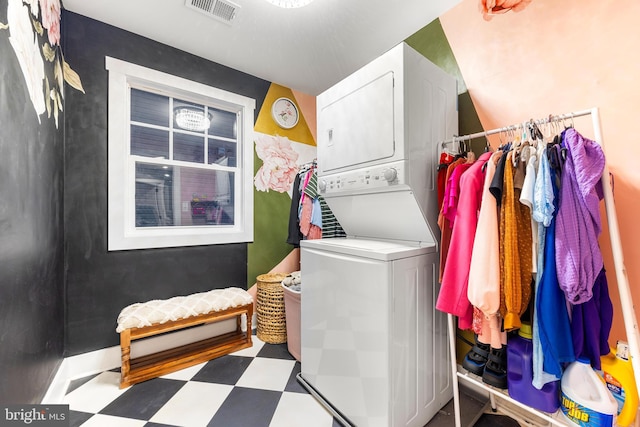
column 307, row 49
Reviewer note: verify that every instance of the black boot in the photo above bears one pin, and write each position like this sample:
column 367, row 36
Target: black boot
column 476, row 358
column 495, row 371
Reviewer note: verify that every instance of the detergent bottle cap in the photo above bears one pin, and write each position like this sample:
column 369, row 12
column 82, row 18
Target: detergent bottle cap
column 526, row 331
column 622, row 350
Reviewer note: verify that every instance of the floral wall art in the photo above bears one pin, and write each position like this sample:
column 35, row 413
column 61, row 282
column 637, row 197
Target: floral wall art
column 33, row 28
column 279, row 163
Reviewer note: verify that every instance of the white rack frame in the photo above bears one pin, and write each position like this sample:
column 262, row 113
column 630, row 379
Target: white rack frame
column 628, row 313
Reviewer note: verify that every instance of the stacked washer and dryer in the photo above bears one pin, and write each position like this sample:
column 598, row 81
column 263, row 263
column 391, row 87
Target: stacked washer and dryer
column 374, row 348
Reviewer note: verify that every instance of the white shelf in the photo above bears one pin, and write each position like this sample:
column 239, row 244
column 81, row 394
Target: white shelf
column 556, row 419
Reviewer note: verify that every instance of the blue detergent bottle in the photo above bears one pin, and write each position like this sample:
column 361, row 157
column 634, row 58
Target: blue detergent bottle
column 520, row 374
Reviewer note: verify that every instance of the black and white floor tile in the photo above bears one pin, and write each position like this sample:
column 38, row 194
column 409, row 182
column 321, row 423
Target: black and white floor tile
column 253, row 387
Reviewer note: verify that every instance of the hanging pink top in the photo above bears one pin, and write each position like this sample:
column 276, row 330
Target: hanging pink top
column 453, row 293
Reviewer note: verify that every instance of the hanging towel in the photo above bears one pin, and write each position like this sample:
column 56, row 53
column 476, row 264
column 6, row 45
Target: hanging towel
column 578, row 220
column 330, row 226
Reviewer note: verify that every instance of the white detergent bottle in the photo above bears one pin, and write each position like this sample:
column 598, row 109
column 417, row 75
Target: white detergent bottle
column 586, row 401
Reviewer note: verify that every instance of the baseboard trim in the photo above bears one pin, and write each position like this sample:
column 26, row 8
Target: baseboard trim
column 80, row 366
column 95, row 362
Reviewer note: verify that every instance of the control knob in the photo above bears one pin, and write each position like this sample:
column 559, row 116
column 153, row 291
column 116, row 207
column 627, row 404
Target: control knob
column 322, row 185
column 390, row 174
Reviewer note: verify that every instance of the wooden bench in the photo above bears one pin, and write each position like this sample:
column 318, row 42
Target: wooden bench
column 142, row 320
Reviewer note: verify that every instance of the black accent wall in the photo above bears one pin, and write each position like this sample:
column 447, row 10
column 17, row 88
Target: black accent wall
column 100, row 283
column 31, row 236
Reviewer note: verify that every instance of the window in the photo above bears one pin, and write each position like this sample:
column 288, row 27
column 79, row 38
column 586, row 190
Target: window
column 171, row 183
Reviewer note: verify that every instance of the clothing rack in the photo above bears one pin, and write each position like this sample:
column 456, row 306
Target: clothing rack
column 308, row 165
column 628, row 314
column 512, row 128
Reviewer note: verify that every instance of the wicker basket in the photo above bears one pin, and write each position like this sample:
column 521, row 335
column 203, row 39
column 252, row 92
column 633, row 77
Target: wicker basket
column 271, row 327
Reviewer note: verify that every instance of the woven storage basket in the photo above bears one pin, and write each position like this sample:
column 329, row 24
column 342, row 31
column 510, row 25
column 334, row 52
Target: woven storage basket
column 271, row 326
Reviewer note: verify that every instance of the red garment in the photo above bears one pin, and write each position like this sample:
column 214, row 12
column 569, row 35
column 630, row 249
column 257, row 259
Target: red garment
column 443, row 165
column 315, row 232
column 445, row 226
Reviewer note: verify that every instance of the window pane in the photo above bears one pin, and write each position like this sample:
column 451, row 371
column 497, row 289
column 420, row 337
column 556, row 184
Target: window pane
column 149, row 142
column 222, row 152
column 182, row 196
column 223, row 123
column 149, row 108
column 154, row 195
column 209, row 196
column 188, row 148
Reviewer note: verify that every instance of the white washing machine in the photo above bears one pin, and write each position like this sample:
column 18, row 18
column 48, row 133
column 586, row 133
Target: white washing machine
column 372, row 345
column 374, row 348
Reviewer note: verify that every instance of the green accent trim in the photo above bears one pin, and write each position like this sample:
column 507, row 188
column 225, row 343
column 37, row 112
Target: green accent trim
column 432, row 42
column 271, row 228
column 468, row 122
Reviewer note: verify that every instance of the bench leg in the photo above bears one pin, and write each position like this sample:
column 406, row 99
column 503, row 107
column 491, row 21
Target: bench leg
column 249, row 315
column 125, row 349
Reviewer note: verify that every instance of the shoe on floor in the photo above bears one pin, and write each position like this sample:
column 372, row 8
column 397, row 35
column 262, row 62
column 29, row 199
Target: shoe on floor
column 475, row 360
column 495, row 370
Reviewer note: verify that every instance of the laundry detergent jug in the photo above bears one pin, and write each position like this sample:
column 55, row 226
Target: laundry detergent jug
column 520, row 374
column 617, row 373
column 586, row 401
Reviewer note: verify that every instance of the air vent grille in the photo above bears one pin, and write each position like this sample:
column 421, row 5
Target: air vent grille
column 222, row 10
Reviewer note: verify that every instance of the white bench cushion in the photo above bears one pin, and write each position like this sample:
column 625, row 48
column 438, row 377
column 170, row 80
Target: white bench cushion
column 149, row 313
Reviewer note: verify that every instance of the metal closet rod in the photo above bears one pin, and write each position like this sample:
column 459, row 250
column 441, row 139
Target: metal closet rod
column 545, row 120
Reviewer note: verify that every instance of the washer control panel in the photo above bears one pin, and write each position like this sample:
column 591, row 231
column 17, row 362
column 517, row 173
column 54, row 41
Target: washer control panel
column 374, row 178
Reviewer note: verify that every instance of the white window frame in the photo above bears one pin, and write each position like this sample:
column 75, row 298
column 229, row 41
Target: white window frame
column 122, row 233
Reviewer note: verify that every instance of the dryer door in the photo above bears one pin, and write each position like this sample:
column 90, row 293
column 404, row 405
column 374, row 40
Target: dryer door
column 358, row 128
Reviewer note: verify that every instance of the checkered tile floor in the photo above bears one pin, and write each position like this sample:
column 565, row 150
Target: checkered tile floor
column 253, row 387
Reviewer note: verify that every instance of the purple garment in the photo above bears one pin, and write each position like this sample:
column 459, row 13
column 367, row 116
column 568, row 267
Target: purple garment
column 591, row 323
column 578, row 254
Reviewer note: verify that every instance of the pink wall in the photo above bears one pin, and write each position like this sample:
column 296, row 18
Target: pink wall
column 307, row 104
column 556, row 57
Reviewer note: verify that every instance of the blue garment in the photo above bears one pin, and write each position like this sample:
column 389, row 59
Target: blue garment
column 542, row 213
column 543, row 195
column 553, row 320
column 316, row 213
column 591, row 323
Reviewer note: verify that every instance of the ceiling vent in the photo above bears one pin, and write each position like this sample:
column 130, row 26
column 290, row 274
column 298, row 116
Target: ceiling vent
column 222, row 10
